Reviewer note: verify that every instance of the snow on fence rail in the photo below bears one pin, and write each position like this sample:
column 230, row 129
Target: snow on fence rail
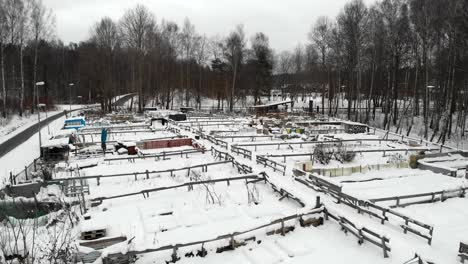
column 251, row 137
column 345, row 171
column 271, row 163
column 190, row 185
column 301, row 143
column 242, row 151
column 205, row 122
column 420, row 140
column 242, row 168
column 317, row 183
column 146, row 173
column 284, row 193
column 113, row 128
column 120, row 132
column 216, row 141
column 429, row 197
column 162, row 155
column 384, row 151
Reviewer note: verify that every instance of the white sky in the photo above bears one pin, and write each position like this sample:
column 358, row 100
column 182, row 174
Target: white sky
column 286, row 22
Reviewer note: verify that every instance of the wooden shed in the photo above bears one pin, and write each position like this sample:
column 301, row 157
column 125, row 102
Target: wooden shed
column 275, row 107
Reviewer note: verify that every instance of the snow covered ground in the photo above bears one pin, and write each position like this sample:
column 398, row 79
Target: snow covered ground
column 15, row 160
column 151, row 214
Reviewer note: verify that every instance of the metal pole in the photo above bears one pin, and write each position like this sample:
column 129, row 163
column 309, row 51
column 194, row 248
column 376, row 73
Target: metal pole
column 38, row 118
column 69, row 96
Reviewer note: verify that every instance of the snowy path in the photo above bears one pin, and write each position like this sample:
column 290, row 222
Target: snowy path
column 22, row 155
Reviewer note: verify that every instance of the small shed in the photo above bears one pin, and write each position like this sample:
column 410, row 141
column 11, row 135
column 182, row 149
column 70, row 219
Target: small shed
column 185, row 109
column 74, row 122
column 56, row 149
column 275, row 107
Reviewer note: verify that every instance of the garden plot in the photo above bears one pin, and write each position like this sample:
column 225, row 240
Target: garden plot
column 304, row 245
column 115, row 136
column 179, row 215
column 448, row 219
column 339, row 158
column 396, row 182
column 216, row 125
column 111, row 178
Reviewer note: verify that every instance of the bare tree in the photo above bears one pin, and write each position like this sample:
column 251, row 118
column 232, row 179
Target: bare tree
column 106, row 36
column 3, row 41
column 234, row 50
column 320, row 37
column 188, row 36
column 136, row 25
column 42, row 27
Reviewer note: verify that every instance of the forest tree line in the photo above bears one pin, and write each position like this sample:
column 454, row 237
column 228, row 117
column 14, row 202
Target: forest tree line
column 395, row 58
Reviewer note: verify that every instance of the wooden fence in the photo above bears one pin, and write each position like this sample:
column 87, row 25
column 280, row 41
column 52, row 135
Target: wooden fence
column 146, row 173
column 242, row 168
column 430, row 197
column 251, row 137
column 26, row 174
column 189, row 185
column 163, row 155
column 301, row 143
column 360, row 151
column 362, row 233
column 271, row 163
column 284, row 193
column 241, row 151
column 217, row 141
column 363, row 206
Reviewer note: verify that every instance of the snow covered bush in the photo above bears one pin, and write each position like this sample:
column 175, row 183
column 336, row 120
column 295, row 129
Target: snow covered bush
column 343, row 155
column 322, row 154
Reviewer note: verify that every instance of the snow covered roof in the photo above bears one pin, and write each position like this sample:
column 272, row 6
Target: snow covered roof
column 56, row 142
column 75, row 118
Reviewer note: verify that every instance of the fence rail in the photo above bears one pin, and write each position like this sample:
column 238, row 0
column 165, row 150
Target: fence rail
column 190, row 185
column 363, row 234
column 271, row 163
column 300, row 143
column 242, row 151
column 162, row 155
column 429, row 197
column 283, row 192
column 26, row 173
column 147, row 173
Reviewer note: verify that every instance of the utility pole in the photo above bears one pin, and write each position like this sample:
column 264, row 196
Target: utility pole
column 69, row 94
column 38, row 115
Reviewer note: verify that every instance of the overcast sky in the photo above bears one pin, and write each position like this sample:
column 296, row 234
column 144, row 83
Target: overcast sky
column 286, row 22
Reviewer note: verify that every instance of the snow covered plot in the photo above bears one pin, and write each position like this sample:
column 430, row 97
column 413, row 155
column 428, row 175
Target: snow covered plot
column 126, row 135
column 120, row 176
column 214, row 126
column 448, row 218
column 182, row 215
column 396, row 182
